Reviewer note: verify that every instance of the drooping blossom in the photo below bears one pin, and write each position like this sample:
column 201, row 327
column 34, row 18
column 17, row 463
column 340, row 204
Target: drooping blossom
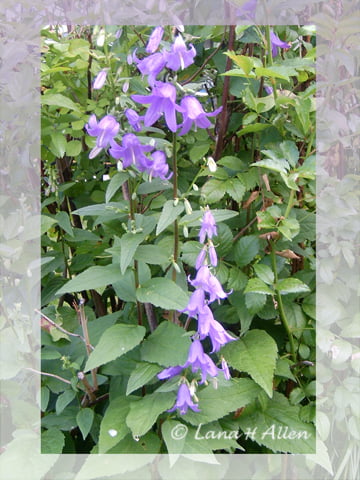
column 158, row 167
column 212, row 254
column 105, row 131
column 225, row 369
column 151, row 65
column 162, row 100
column 155, row 39
column 199, row 360
column 100, row 80
column 183, row 401
column 131, row 151
column 180, row 56
column 196, row 303
column 194, row 113
column 134, row 119
column 206, row 281
column 208, row 226
column 208, row 326
column 170, row 372
column 200, row 259
column 275, row 43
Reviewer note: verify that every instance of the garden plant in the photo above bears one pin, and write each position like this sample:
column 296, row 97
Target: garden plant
column 178, row 239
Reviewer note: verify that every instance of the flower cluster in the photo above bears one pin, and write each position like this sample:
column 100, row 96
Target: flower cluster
column 207, row 290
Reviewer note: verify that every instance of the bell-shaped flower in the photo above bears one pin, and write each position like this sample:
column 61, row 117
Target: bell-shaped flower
column 225, row 369
column 179, row 56
column 155, row 39
column 151, row 65
column 218, row 336
column 170, row 372
column 183, row 401
column 200, row 259
column 158, row 167
column 215, row 289
column 194, row 113
column 205, row 318
column 199, row 360
column 134, row 119
column 212, row 255
column 100, row 80
column 276, row 42
column 208, row 226
column 105, row 131
column 131, row 151
column 196, row 303
column 162, row 100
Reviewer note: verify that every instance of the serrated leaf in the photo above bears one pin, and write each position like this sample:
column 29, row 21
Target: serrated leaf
column 115, row 183
column 265, row 273
column 114, row 342
column 279, row 165
column 144, row 413
column 242, row 61
column 164, row 293
column 128, row 244
column 168, row 215
column 255, row 302
column 274, row 72
column 256, row 285
column 59, row 101
column 113, row 427
column 142, row 374
column 255, row 353
column 168, row 345
column 84, row 420
column 279, row 427
column 235, row 188
column 246, row 249
column 291, row 285
column 216, row 403
column 63, row 400
column 52, row 441
column 213, row 190
column 93, row 277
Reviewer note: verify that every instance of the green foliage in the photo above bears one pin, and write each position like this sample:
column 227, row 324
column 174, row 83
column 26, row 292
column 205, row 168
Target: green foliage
column 123, row 243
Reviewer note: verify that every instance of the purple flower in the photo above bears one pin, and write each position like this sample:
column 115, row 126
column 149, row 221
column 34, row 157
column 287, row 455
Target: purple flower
column 151, row 65
column 247, row 10
column 133, row 118
column 183, row 401
column 155, row 39
column 206, row 281
column 169, row 372
column 161, row 100
column 105, row 131
column 132, row 151
column 218, row 335
column 196, row 303
column 100, row 80
column 204, row 319
column 179, row 56
column 200, row 258
column 199, row 360
column 158, row 167
column 275, row 43
column 225, row 369
column 194, row 113
column 208, row 226
column 212, row 255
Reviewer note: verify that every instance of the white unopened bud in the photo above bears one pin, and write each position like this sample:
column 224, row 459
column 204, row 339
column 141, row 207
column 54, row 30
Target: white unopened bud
column 195, row 187
column 185, row 231
column 125, row 87
column 119, row 166
column 176, row 201
column 188, row 208
column 211, row 164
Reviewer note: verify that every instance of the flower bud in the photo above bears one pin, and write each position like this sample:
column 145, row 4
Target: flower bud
column 211, row 165
column 195, row 187
column 187, row 205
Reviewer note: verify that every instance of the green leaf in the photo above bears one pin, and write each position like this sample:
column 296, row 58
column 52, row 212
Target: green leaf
column 46, row 223
column 198, row 151
column 279, row 165
column 255, row 353
column 291, row 285
column 265, row 273
column 246, row 249
column 125, row 285
column 156, row 185
column 114, row 342
column 45, row 397
column 93, row 277
column 103, row 208
column 290, row 152
column 63, row 400
column 242, row 61
column 113, row 427
column 256, row 127
column 213, row 190
column 64, row 222
column 235, row 188
column 59, row 101
column 278, row 427
column 58, row 144
column 152, row 254
column 282, row 368
column 144, row 413
column 115, row 183
column 215, row 403
column 168, row 215
column 168, row 345
column 142, row 374
column 274, row 72
column 84, row 420
column 52, row 441
column 164, row 293
column 73, row 148
column 256, row 285
column 128, row 244
column 255, row 302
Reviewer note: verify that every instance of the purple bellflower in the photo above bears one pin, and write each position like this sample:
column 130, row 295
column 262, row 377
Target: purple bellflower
column 100, row 80
column 225, row 369
column 159, row 167
column 199, row 360
column 196, row 303
column 162, row 101
column 247, row 10
column 200, row 259
column 208, row 226
column 131, row 151
column 134, row 119
column 206, row 281
column 155, row 39
column 212, row 254
column 183, row 401
column 194, row 113
column 208, row 326
column 105, row 131
column 275, row 43
column 179, row 56
column 170, row 372
column 151, row 65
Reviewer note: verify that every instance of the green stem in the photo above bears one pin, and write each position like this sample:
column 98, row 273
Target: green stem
column 176, row 225
column 270, row 59
column 290, row 203
column 280, row 304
